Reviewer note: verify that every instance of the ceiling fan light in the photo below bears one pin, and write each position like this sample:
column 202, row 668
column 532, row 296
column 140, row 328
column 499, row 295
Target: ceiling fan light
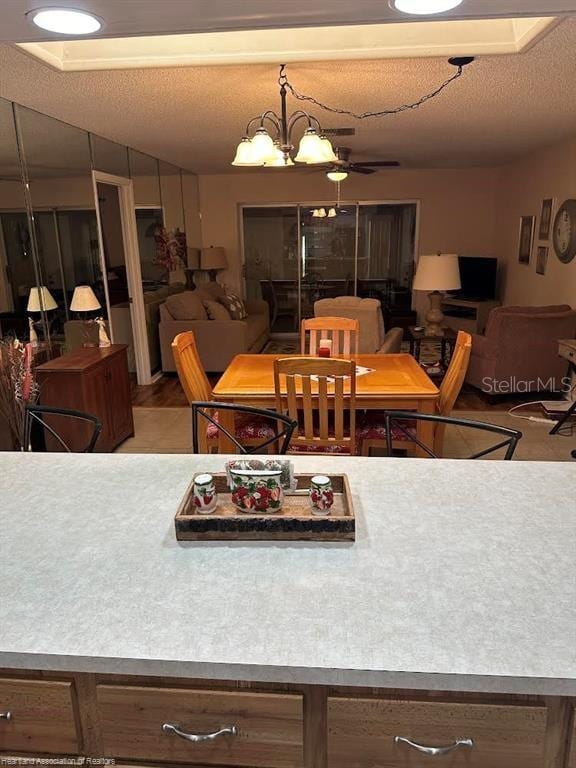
column 425, row 7
column 310, row 150
column 337, row 176
column 245, row 154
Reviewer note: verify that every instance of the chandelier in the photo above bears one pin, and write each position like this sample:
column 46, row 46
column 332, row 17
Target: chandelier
column 268, row 138
column 276, row 150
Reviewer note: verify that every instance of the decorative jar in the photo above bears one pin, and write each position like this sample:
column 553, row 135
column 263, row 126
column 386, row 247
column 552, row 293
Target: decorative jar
column 321, row 495
column 205, row 496
column 257, row 491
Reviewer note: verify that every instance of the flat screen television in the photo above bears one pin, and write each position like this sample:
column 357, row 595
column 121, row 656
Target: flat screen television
column 478, row 278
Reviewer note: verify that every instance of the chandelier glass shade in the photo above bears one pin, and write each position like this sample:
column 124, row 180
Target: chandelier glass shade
column 271, row 144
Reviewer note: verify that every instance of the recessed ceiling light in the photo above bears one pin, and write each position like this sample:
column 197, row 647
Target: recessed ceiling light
column 65, row 21
column 425, row 7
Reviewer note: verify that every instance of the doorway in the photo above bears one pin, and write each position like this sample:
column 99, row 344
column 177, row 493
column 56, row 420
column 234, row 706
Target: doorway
column 121, row 269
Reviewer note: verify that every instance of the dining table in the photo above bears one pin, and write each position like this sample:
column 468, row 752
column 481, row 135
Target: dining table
column 389, row 382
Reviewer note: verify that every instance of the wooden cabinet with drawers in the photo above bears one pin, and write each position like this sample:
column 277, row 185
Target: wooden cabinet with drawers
column 172, row 722
column 94, row 381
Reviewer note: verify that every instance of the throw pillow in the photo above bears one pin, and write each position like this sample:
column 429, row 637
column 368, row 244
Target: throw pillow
column 216, row 311
column 234, row 305
column 186, row 306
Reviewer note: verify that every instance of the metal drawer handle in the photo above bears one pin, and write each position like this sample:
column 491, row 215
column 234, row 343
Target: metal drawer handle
column 230, row 730
column 435, row 751
column 5, row 715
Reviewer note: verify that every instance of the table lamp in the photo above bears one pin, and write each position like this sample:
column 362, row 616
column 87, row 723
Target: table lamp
column 436, row 274
column 212, row 259
column 83, row 302
column 39, row 300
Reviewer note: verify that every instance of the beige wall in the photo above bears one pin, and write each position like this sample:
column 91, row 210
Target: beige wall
column 457, row 211
column 522, row 187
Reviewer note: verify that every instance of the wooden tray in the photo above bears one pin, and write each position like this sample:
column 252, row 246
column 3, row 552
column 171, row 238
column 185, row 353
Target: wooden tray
column 294, row 522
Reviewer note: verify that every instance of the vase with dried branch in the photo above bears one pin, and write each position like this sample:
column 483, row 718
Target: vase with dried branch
column 18, row 387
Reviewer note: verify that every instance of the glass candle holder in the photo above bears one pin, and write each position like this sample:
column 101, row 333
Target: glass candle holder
column 325, row 348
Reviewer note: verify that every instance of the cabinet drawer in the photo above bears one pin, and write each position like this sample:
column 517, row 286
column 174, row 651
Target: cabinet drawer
column 362, row 733
column 269, row 726
column 41, row 717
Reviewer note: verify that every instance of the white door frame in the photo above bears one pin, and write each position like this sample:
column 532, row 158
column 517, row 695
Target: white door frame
column 133, row 271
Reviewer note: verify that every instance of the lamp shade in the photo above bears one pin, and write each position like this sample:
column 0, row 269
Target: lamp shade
column 440, row 272
column 41, row 299
column 213, row 258
column 84, row 300
column 193, row 258
column 245, row 156
column 311, row 150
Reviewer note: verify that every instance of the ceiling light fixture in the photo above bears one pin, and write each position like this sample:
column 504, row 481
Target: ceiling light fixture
column 65, row 21
column 336, row 176
column 265, row 150
column 425, row 7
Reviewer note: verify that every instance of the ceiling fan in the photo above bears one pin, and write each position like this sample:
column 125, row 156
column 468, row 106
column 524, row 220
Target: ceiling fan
column 339, row 170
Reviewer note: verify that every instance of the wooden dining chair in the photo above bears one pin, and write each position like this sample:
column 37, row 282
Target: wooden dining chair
column 320, row 394
column 343, row 331
column 249, row 429
column 372, row 431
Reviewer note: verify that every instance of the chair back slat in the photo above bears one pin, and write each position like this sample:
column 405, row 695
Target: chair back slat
column 190, row 369
column 344, row 333
column 59, row 429
column 325, row 387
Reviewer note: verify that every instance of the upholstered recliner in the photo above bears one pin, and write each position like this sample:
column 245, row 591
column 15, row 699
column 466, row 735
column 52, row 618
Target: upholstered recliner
column 519, row 351
column 369, row 313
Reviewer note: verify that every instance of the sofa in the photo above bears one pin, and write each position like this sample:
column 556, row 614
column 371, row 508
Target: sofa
column 519, row 351
column 218, row 340
column 368, row 312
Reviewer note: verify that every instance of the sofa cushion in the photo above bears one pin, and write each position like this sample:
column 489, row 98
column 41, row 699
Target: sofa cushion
column 211, row 291
column 234, row 305
column 186, row 306
column 216, row 311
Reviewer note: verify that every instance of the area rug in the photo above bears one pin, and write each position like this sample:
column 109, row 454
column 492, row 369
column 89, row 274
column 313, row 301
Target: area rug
column 169, row 430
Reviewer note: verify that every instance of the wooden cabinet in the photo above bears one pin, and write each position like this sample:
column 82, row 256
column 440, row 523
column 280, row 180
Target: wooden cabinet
column 94, row 381
column 37, row 717
column 260, row 729
column 362, row 734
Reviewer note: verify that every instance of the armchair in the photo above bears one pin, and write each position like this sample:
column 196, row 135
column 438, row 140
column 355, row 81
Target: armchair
column 368, row 312
column 519, row 351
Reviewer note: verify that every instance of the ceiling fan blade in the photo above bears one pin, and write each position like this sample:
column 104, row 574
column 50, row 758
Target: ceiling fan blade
column 359, row 169
column 378, row 163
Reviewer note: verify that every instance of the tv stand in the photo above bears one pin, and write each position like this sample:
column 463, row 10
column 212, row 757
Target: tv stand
column 466, row 314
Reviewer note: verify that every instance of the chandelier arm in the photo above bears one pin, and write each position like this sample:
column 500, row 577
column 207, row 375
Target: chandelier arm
column 299, row 115
column 382, row 113
column 269, row 115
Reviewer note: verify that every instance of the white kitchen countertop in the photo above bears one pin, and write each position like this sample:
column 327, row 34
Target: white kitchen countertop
column 462, row 577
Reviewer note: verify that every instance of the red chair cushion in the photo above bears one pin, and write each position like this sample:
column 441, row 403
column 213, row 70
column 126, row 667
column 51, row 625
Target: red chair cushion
column 246, row 428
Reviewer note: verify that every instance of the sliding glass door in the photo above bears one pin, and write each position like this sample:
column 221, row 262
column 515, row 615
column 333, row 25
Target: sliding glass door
column 297, row 254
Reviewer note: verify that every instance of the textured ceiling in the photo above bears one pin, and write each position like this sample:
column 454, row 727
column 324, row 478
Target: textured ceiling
column 502, row 107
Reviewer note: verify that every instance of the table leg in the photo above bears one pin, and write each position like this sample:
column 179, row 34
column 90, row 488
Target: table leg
column 417, row 349
column 425, row 429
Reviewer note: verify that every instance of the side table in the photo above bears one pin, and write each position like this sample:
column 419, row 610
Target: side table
column 447, row 343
